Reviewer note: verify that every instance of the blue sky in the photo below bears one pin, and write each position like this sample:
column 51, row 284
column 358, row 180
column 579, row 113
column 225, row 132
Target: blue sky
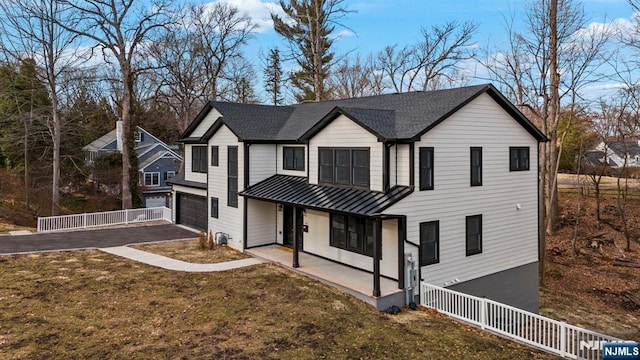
column 378, row 23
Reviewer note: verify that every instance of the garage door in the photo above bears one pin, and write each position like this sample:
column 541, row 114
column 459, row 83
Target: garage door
column 192, row 210
column 155, row 201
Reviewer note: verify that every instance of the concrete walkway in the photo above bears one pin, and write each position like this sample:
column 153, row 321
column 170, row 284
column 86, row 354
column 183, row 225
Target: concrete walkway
column 176, row 265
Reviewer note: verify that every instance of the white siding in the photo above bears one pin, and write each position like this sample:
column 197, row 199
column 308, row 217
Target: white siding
column 205, row 124
column 262, row 162
column 342, row 132
column 230, row 219
column 401, row 158
column 280, row 162
column 399, row 165
column 188, row 174
column 509, row 236
column 261, row 223
column 316, row 241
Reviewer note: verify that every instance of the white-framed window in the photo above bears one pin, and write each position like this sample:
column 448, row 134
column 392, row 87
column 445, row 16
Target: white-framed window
column 169, row 175
column 151, row 179
column 137, row 136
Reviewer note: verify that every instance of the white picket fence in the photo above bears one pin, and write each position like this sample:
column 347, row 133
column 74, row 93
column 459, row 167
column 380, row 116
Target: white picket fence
column 89, row 220
column 537, row 331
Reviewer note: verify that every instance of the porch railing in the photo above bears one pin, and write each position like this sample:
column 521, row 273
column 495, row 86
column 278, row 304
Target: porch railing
column 537, row 331
column 89, row 220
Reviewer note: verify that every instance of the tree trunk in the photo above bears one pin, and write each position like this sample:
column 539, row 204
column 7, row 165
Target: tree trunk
column 554, row 112
column 55, row 182
column 127, row 202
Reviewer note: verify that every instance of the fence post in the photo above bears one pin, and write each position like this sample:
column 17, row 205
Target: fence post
column 483, row 312
column 84, row 221
column 126, row 216
column 563, row 338
column 39, row 228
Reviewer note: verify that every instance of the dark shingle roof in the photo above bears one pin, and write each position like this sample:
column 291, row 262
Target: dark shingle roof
column 625, row 147
column 295, row 190
column 178, row 179
column 403, row 116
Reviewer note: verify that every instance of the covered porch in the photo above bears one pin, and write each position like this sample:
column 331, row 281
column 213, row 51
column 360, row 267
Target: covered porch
column 355, row 282
column 337, row 235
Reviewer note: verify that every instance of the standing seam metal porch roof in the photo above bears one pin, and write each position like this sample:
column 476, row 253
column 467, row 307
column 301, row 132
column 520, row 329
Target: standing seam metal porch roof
column 295, row 190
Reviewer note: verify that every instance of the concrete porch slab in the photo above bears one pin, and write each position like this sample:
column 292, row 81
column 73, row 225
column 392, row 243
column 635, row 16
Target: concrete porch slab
column 347, row 279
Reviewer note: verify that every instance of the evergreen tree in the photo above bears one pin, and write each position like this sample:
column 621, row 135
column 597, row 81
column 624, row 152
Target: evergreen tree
column 307, row 29
column 273, row 77
column 24, row 111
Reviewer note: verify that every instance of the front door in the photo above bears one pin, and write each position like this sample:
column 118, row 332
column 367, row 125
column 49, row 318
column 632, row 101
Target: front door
column 287, row 225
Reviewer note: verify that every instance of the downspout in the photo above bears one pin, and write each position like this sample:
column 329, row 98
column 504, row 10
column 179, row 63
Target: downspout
column 245, row 162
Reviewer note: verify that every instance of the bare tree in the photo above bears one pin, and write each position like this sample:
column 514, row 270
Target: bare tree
column 552, row 61
column 219, row 32
column 356, row 78
column 119, row 29
column 32, row 28
column 435, row 62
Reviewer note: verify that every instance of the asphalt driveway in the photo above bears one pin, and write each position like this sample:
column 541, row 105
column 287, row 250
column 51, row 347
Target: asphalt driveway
column 99, row 238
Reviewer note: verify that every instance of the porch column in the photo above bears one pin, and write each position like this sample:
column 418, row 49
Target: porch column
column 377, row 250
column 297, row 235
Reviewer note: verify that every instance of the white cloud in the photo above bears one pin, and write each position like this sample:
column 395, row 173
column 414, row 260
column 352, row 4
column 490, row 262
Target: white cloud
column 258, row 11
column 342, row 34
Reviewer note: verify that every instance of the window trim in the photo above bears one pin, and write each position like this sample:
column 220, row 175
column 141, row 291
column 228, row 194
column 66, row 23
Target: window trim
column 430, row 152
column 232, row 195
column 201, row 165
column 137, row 136
column 334, row 167
column 166, row 175
column 361, row 233
column 519, row 167
column 292, row 150
column 477, row 182
column 425, row 262
column 151, row 174
column 468, row 219
column 215, row 207
column 215, row 153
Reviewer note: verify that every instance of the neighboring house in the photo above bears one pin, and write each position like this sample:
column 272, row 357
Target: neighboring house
column 157, row 162
column 614, row 153
column 447, row 178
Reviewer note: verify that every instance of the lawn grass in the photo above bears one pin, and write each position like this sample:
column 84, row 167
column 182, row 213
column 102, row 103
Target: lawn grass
column 88, row 304
column 189, row 251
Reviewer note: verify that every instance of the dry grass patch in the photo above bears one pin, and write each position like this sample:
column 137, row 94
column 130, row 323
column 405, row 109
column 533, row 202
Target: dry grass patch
column 101, row 306
column 189, row 251
column 6, row 227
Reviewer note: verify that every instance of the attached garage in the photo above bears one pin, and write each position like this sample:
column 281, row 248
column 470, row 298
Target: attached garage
column 191, row 210
column 155, row 201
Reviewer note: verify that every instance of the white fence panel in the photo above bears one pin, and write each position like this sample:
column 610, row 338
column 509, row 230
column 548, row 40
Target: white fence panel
column 88, row 220
column 535, row 330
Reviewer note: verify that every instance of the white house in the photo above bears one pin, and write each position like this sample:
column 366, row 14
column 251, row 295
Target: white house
column 444, row 182
column 615, row 153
